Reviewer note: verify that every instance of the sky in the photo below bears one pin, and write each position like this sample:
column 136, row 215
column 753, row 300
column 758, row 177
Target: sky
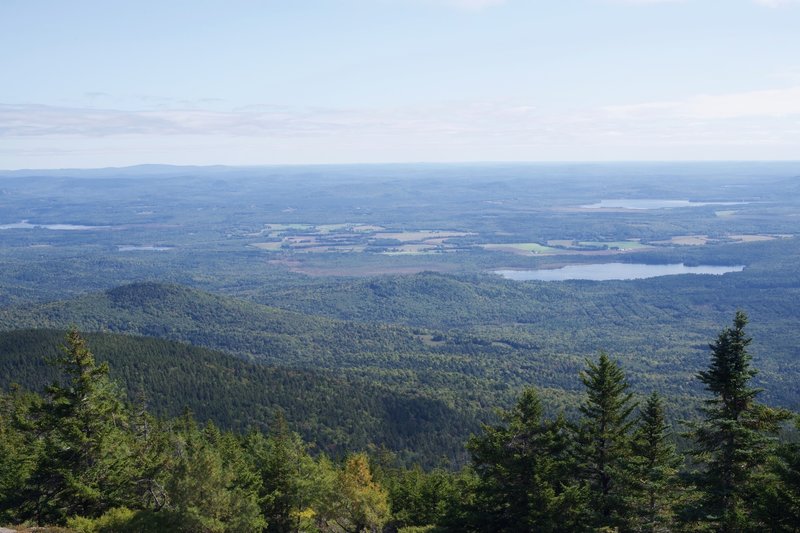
column 95, row 83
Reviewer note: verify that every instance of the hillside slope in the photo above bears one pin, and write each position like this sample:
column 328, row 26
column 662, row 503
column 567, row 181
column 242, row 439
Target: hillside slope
column 251, row 330
column 336, row 413
column 513, row 335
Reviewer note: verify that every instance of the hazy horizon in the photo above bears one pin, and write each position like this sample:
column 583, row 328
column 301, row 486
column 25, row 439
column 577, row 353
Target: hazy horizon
column 542, row 164
column 89, row 84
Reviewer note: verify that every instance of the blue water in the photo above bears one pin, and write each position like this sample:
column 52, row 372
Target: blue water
column 57, row 227
column 650, row 204
column 613, row 271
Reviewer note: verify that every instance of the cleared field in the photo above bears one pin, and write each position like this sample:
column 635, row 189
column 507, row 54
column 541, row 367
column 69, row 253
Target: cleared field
column 412, row 249
column 620, row 245
column 353, row 238
column 420, row 235
column 610, row 245
column 285, row 227
column 267, row 246
column 686, row 240
column 304, row 240
column 333, row 228
column 752, row 238
column 701, row 240
column 327, row 249
column 521, row 247
column 367, row 228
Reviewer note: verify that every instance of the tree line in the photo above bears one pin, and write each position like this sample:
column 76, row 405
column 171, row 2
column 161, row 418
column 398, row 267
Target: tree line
column 80, row 455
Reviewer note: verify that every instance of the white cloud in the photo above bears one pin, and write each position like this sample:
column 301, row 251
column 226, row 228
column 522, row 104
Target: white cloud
column 764, row 103
column 469, row 118
column 755, row 125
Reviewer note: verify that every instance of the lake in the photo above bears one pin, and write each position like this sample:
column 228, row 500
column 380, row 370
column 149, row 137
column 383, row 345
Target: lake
column 57, row 227
column 613, row 271
column 623, row 203
column 135, row 248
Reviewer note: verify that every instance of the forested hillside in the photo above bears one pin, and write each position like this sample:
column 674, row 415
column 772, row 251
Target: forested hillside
column 487, row 338
column 335, row 412
column 83, row 456
column 403, row 358
column 181, row 313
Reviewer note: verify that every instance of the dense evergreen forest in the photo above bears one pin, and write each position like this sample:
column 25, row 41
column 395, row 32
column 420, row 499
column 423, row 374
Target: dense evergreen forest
column 511, row 335
column 336, row 348
column 335, row 412
column 84, row 455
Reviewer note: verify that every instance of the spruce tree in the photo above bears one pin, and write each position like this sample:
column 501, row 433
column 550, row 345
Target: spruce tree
column 151, row 454
column 206, row 490
column 733, row 441
column 19, row 452
column 605, row 439
column 654, row 468
column 419, row 498
column 781, row 502
column 526, row 474
column 286, row 472
column 86, row 465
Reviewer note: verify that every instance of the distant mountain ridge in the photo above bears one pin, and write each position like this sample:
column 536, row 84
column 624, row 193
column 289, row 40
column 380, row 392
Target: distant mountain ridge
column 129, row 171
column 726, row 168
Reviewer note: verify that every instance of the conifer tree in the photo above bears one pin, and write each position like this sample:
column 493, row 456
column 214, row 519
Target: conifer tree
column 419, row 498
column 605, row 439
column 85, row 466
column 733, row 441
column 19, row 452
column 204, row 492
column 151, row 454
column 526, row 474
column 779, row 499
column 780, row 502
column 654, row 468
column 286, row 472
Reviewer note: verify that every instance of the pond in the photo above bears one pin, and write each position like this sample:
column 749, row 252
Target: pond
column 57, row 227
column 622, row 203
column 614, row 271
column 135, row 248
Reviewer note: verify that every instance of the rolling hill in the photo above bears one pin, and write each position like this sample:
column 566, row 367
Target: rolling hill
column 334, row 412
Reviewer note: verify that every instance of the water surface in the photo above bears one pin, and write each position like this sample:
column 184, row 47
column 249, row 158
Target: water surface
column 57, row 227
column 134, row 248
column 623, row 203
column 613, row 271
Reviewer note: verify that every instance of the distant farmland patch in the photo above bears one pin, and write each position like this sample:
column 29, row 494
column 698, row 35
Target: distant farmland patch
column 701, row 240
column 267, row 246
column 597, row 245
column 752, row 238
column 414, row 249
column 354, row 238
column 521, row 248
column 612, row 245
column 420, row 235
